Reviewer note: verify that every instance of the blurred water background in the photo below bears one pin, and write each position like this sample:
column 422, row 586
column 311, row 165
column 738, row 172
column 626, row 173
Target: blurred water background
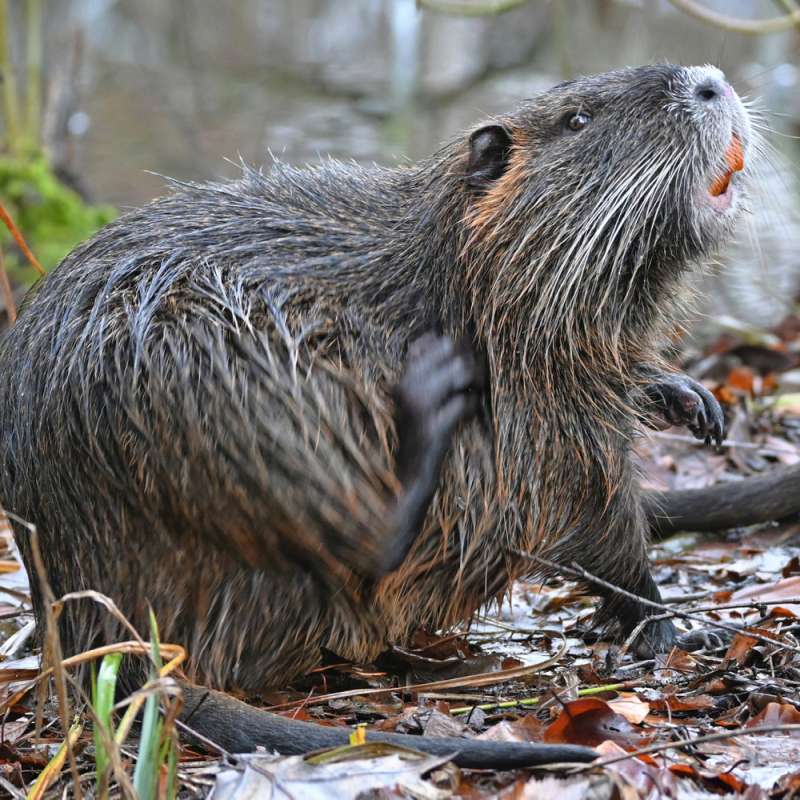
column 185, row 87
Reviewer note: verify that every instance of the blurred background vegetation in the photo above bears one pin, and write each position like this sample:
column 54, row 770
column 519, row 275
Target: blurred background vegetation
column 102, row 97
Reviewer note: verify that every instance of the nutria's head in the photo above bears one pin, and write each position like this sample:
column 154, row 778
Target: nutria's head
column 595, row 195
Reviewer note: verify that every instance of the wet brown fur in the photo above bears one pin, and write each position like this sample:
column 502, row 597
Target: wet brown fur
column 198, row 409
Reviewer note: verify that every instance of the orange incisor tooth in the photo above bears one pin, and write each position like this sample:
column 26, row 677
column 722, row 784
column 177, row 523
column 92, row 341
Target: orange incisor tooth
column 734, row 158
column 734, row 155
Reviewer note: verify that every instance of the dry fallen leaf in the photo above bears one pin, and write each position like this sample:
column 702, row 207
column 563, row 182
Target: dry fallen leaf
column 784, row 589
column 589, row 722
column 631, row 707
column 742, row 650
column 642, row 773
column 524, row 729
column 674, row 704
column 776, row 714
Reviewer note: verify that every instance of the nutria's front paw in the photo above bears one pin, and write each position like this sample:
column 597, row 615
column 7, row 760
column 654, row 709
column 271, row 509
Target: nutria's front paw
column 439, row 389
column 683, row 401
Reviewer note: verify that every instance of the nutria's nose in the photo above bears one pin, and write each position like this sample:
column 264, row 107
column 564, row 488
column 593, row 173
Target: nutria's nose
column 711, row 89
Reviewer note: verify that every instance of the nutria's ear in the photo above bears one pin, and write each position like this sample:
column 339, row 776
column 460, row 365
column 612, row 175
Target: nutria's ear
column 489, row 148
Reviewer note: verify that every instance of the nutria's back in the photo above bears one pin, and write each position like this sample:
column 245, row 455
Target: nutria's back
column 200, row 413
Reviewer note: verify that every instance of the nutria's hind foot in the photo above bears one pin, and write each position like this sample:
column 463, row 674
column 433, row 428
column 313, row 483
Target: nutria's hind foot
column 683, row 401
column 704, row 639
column 438, row 390
column 661, row 636
column 656, row 637
column 624, row 614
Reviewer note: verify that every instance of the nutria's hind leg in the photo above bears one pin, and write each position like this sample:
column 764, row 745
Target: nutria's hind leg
column 655, row 637
column 658, row 636
column 438, row 390
column 618, row 557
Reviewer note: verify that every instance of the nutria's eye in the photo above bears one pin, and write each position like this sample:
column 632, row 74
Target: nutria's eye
column 577, row 122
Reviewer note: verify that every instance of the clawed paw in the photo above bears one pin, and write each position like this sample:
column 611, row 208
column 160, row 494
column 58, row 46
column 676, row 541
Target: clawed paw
column 704, row 639
column 439, row 389
column 683, row 401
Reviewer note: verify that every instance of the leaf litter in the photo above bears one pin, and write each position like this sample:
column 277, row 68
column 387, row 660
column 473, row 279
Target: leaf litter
column 721, row 721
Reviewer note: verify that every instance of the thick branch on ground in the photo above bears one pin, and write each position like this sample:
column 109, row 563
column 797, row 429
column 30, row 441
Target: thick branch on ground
column 726, row 505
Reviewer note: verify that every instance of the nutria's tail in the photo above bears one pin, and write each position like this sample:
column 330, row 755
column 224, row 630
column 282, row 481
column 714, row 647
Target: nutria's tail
column 239, row 728
column 726, row 505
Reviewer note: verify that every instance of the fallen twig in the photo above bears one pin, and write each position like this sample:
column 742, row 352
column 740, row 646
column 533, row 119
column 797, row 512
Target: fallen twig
column 482, row 679
column 577, row 571
column 710, row 737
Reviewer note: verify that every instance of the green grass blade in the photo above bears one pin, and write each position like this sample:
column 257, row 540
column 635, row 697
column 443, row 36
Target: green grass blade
column 103, row 693
column 145, row 775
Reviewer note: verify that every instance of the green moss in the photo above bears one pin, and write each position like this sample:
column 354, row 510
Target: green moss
column 52, row 217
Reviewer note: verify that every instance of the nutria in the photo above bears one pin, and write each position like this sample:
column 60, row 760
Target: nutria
column 318, row 408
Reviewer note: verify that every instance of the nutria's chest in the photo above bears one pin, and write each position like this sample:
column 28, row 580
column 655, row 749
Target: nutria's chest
column 543, row 450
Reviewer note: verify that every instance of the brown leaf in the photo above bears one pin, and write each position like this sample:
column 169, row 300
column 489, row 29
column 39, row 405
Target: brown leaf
column 724, row 781
column 784, row 589
column 11, row 731
column 642, row 772
column 786, row 787
column 792, row 567
column 780, row 611
column 439, row 724
column 742, row 650
column 675, row 704
column 524, row 729
column 776, row 714
column 546, row 788
column 589, row 722
column 740, row 379
column 631, row 707
column 676, row 662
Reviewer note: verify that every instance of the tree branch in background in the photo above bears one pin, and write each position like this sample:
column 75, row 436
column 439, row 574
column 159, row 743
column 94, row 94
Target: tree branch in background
column 10, row 96
column 33, row 60
column 479, row 8
column 737, row 24
column 466, row 8
column 789, row 6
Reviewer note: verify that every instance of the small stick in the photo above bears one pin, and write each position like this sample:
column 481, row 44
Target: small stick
column 576, row 570
column 8, row 295
column 755, row 605
column 534, row 701
column 686, row 598
column 680, row 437
column 18, row 238
column 52, row 649
column 482, row 679
column 638, row 629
